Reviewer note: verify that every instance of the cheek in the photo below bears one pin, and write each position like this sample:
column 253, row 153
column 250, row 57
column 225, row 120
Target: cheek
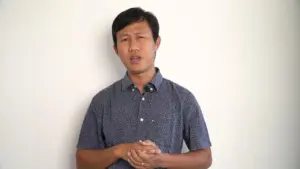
column 148, row 47
column 122, row 51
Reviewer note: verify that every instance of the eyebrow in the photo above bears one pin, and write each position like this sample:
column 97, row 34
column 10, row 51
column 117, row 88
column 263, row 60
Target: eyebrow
column 144, row 32
column 138, row 33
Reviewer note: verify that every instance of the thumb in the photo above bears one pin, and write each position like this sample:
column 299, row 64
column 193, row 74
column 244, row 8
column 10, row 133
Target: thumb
column 144, row 143
column 148, row 142
column 158, row 151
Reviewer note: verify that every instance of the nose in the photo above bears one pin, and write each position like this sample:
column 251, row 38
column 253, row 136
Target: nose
column 133, row 46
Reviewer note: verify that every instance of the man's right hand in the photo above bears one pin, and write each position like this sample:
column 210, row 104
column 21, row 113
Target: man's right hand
column 123, row 149
column 143, row 159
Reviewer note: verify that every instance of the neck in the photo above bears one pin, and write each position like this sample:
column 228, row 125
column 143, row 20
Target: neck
column 141, row 79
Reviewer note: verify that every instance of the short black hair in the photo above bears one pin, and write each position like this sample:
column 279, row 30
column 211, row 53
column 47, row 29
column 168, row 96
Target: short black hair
column 133, row 15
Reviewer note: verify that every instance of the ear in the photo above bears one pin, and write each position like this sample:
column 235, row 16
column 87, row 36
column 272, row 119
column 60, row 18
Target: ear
column 157, row 43
column 115, row 49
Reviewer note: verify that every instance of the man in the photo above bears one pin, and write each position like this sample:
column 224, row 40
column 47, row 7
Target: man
column 142, row 120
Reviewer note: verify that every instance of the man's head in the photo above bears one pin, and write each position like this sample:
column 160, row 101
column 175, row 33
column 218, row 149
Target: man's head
column 136, row 39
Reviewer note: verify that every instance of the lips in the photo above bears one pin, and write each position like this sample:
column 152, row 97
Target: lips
column 135, row 59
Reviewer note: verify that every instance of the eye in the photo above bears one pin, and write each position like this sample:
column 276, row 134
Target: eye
column 124, row 39
column 140, row 37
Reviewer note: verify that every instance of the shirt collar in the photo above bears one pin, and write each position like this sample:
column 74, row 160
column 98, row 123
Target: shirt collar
column 156, row 81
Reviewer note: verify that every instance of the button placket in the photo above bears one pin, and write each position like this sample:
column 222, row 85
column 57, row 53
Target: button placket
column 141, row 111
column 142, row 119
column 133, row 88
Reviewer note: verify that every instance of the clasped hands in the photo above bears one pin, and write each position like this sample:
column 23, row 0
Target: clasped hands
column 142, row 154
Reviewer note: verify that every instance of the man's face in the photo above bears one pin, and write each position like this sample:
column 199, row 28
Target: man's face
column 136, row 47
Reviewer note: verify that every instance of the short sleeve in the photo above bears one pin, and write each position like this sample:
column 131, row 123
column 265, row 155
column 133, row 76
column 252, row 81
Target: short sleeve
column 196, row 133
column 90, row 136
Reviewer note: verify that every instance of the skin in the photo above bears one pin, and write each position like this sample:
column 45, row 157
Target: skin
column 141, row 159
column 136, row 40
column 101, row 159
column 198, row 159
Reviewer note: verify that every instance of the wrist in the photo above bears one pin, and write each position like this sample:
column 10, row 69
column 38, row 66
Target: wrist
column 162, row 160
column 118, row 150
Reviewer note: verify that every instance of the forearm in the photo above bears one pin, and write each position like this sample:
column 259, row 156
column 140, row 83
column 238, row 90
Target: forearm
column 96, row 159
column 191, row 160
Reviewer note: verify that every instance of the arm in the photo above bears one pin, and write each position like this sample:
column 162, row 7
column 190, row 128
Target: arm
column 97, row 159
column 91, row 151
column 101, row 159
column 197, row 139
column 198, row 159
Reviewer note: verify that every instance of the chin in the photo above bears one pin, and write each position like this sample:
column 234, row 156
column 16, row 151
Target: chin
column 136, row 71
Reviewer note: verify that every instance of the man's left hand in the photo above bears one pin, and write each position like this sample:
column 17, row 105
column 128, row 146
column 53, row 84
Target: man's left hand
column 144, row 160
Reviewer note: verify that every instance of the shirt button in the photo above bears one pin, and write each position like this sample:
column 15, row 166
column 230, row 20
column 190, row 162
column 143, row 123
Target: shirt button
column 141, row 119
column 151, row 89
column 133, row 89
column 143, row 98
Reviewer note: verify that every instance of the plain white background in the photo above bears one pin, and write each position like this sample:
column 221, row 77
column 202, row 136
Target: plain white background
column 239, row 57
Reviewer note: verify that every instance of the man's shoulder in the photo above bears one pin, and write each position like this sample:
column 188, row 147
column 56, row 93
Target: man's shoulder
column 186, row 97
column 177, row 88
column 104, row 94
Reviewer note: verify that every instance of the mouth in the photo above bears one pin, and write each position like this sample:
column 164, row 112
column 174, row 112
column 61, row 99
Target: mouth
column 135, row 59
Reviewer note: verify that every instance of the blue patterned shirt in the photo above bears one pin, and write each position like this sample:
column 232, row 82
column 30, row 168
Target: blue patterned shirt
column 167, row 114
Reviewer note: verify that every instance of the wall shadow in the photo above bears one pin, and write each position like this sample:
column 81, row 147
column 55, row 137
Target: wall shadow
column 117, row 67
column 78, row 117
column 116, row 70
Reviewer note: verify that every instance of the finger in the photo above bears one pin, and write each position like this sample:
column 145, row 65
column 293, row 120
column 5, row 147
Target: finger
column 135, row 157
column 145, row 148
column 136, row 161
column 143, row 155
column 158, row 151
column 152, row 151
column 146, row 166
column 132, row 160
column 155, row 150
column 139, row 165
column 133, row 164
column 139, row 160
column 148, row 143
column 150, row 159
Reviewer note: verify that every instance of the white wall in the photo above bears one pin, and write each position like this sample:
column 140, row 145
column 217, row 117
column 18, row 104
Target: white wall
column 242, row 58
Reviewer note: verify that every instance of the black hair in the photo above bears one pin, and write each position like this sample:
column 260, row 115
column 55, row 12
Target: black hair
column 133, row 15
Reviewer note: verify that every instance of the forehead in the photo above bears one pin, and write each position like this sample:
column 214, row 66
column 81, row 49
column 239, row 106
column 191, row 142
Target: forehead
column 135, row 28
